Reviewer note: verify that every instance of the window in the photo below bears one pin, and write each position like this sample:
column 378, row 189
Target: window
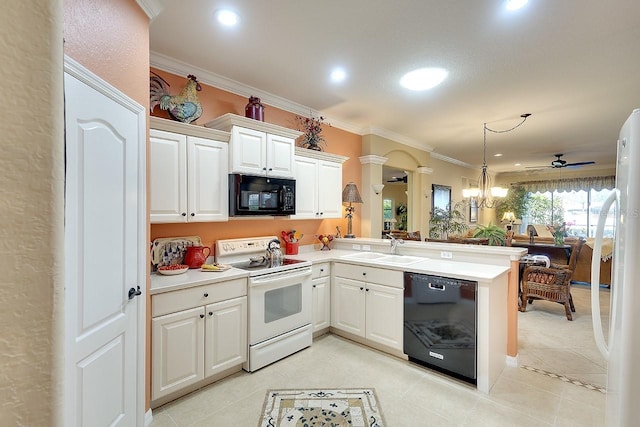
column 441, row 197
column 387, row 213
column 579, row 209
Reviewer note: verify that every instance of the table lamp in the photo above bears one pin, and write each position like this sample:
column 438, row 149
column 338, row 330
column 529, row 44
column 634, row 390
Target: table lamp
column 509, row 217
column 350, row 195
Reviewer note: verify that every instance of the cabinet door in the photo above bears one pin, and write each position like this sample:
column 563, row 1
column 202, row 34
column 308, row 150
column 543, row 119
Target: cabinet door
column 280, row 156
column 306, row 188
column 347, row 306
column 208, row 180
column 167, row 176
column 178, row 351
column 321, row 303
column 248, row 151
column 329, row 189
column 226, row 335
column 384, row 308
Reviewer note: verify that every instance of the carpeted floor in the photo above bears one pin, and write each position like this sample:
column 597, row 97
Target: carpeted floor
column 548, row 342
column 344, row 407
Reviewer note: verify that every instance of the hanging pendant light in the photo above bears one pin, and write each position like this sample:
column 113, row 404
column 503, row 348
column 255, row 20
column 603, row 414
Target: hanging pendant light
column 485, row 195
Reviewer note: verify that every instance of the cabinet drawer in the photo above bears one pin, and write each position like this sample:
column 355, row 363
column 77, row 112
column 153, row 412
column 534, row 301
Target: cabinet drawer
column 320, row 270
column 369, row 274
column 170, row 302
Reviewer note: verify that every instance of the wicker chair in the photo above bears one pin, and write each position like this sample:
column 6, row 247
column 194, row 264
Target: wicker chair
column 551, row 283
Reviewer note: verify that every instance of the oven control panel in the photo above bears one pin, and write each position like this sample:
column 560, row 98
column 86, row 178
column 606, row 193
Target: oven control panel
column 243, row 247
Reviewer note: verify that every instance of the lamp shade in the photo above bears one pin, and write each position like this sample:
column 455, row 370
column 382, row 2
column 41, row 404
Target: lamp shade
column 508, row 217
column 350, row 194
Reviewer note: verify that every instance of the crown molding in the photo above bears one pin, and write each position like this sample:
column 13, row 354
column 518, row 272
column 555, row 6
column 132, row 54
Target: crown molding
column 452, row 160
column 372, row 159
column 398, row 138
column 151, row 7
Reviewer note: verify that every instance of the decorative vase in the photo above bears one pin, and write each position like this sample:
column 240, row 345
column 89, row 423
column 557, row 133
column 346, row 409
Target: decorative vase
column 254, row 109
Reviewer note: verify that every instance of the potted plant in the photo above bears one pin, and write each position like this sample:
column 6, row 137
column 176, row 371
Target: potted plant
column 446, row 222
column 495, row 234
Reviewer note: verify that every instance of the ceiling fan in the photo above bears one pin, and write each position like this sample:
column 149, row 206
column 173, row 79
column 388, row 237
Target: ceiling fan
column 559, row 162
column 398, row 179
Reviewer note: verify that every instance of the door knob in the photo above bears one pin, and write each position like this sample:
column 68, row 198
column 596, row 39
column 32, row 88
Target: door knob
column 133, row 292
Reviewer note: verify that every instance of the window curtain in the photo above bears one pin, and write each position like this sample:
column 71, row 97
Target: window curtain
column 570, row 184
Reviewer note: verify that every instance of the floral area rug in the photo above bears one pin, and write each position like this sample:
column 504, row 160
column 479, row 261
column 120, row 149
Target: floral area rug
column 350, row 407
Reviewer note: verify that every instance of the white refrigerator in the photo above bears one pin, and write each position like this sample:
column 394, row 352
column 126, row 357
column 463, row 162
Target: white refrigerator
column 621, row 348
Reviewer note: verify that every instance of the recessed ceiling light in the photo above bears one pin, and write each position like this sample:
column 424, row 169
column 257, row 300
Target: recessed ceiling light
column 338, row 75
column 497, row 155
column 227, row 17
column 423, row 78
column 515, row 4
column 517, row 164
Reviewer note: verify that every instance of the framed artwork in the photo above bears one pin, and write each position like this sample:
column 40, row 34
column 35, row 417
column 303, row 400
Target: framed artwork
column 473, row 210
column 441, row 197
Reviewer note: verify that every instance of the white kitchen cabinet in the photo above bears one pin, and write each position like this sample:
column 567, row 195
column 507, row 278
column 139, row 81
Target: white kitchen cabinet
column 321, row 295
column 188, row 173
column 197, row 333
column 178, row 350
column 318, row 185
column 368, row 302
column 258, row 148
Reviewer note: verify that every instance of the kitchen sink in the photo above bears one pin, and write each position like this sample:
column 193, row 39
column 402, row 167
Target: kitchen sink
column 384, row 258
column 365, row 256
column 400, row 259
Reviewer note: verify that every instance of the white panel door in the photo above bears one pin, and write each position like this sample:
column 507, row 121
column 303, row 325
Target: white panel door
column 248, row 151
column 208, row 168
column 226, row 335
column 167, row 176
column 330, row 189
column 280, row 156
column 347, row 306
column 104, row 253
column 178, row 351
column 306, row 188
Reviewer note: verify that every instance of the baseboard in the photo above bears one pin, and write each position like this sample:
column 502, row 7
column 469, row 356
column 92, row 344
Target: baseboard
column 148, row 417
column 513, row 361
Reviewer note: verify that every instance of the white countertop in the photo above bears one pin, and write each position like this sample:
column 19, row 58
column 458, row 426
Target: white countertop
column 483, row 273
column 454, row 269
column 193, row 277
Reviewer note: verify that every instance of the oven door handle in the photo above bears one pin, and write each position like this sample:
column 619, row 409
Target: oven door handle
column 275, row 277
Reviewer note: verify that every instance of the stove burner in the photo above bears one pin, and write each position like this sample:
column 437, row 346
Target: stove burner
column 264, row 264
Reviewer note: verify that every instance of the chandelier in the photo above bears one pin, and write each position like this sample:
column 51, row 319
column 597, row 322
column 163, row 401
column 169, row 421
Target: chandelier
column 484, row 194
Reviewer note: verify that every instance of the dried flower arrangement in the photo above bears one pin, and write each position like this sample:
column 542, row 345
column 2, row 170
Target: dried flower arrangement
column 312, row 128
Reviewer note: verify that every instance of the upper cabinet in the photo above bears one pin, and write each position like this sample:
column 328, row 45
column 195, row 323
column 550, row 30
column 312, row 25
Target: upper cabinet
column 318, row 184
column 188, row 173
column 258, row 148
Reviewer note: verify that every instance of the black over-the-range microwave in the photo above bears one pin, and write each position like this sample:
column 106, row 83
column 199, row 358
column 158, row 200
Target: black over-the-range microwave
column 261, row 195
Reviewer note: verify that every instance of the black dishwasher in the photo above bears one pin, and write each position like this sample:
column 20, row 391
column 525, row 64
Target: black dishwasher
column 440, row 324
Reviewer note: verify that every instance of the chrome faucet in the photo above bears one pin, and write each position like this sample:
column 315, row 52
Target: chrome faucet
column 394, row 243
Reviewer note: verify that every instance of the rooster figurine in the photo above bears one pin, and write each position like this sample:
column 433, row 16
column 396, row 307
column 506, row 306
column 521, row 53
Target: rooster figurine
column 184, row 107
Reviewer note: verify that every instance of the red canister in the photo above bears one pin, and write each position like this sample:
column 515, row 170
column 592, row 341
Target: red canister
column 254, row 109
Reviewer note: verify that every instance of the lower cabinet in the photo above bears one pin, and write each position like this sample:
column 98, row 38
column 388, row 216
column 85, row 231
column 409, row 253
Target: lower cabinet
column 193, row 344
column 321, row 282
column 373, row 311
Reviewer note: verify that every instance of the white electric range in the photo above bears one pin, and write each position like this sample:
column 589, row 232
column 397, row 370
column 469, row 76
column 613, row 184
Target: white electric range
column 279, row 299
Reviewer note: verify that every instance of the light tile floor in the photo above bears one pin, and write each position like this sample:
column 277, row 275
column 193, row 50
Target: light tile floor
column 409, row 394
column 548, row 341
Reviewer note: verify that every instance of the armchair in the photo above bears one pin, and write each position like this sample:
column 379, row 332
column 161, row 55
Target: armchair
column 551, row 283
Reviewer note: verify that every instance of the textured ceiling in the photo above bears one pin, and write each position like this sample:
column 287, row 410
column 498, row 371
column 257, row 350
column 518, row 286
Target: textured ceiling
column 573, row 64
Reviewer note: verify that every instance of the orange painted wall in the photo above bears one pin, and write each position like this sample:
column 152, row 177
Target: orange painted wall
column 216, row 102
